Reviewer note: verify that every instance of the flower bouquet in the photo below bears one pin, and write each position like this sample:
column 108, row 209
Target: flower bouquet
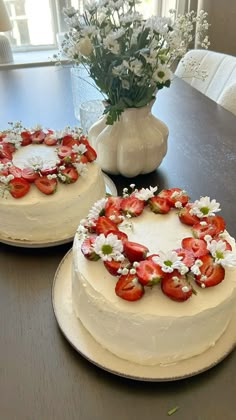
column 128, row 57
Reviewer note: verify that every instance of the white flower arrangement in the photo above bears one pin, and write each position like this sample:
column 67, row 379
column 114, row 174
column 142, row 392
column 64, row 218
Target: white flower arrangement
column 129, row 58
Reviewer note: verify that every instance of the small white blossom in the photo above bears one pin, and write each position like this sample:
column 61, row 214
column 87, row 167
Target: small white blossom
column 178, row 204
column 195, row 267
column 81, row 148
column 82, row 232
column 145, row 193
column 81, row 168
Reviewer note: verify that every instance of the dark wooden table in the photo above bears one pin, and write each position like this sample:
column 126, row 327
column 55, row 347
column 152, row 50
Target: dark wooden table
column 41, row 376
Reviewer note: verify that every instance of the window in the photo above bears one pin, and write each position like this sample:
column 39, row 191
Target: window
column 36, row 23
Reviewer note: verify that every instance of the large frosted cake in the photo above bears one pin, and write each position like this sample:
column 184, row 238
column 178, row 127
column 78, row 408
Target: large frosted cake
column 48, row 181
column 154, row 276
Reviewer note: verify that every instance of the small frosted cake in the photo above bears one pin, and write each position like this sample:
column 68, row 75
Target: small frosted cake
column 154, row 275
column 48, row 182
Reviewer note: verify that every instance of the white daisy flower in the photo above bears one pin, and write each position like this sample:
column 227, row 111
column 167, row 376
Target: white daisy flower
column 108, row 247
column 111, row 44
column 97, row 209
column 35, row 162
column 205, row 207
column 170, row 262
column 220, row 254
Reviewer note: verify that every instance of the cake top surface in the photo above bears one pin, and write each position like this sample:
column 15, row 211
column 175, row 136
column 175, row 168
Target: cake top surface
column 157, row 243
column 41, row 158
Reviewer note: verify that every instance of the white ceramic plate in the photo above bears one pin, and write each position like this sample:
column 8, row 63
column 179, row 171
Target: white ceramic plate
column 110, row 189
column 84, row 343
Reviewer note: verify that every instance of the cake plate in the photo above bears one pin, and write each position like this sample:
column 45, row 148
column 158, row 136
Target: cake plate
column 110, row 189
column 85, row 344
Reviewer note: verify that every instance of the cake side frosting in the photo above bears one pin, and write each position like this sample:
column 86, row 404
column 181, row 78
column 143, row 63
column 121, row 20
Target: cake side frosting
column 154, row 329
column 37, row 217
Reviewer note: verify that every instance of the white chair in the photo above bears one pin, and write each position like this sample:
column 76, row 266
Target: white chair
column 220, row 82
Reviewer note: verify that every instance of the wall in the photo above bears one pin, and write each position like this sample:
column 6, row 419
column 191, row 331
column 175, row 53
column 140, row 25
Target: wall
column 222, row 17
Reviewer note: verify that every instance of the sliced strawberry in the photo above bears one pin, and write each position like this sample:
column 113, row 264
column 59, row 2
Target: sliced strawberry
column 148, row 273
column 90, row 225
column 173, row 195
column 114, row 214
column 120, row 235
column 113, row 201
column 29, row 174
column 212, row 225
column 50, row 140
column 82, row 159
column 129, row 288
column 38, row 136
column 132, row 205
column 197, row 246
column 159, row 205
column 26, row 138
column 177, row 194
column 211, row 273
column 165, row 193
column 186, row 217
column 188, row 257
column 5, row 151
column 68, row 140
column 5, row 160
column 11, row 147
column 135, row 251
column 18, row 187
column 87, row 249
column 90, row 153
column 48, row 171
column 113, row 266
column 113, row 210
column 15, row 171
column 70, row 173
column 64, row 151
column 4, row 171
column 45, row 185
column 104, row 225
column 83, row 140
column 150, row 257
column 176, row 286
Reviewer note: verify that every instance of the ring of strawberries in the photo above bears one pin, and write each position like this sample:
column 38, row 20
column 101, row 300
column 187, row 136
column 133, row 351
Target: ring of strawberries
column 18, row 181
column 140, row 269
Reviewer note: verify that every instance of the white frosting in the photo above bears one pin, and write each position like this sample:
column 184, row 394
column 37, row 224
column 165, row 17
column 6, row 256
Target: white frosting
column 154, row 329
column 37, row 217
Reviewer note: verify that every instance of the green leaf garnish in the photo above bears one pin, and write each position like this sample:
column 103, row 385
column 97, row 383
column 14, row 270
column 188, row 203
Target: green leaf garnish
column 172, row 410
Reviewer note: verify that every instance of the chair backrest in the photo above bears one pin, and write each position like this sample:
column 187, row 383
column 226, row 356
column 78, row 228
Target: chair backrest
column 220, row 69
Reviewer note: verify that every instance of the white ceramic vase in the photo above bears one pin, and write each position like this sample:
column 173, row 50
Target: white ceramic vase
column 133, row 145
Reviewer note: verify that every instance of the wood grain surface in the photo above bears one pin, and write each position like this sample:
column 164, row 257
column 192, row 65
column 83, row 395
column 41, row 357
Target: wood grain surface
column 41, row 376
